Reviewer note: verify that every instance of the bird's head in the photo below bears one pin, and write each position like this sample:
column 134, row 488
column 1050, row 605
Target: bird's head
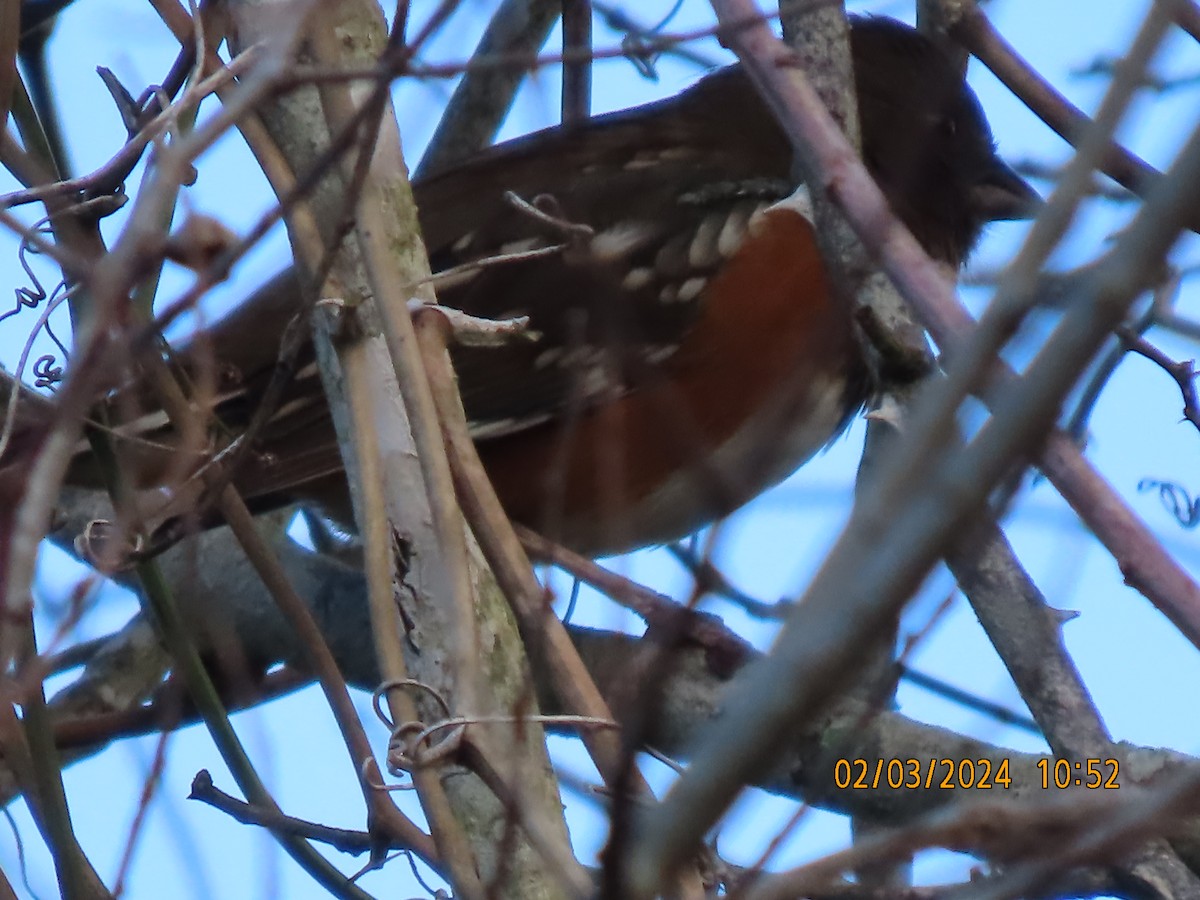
column 927, row 142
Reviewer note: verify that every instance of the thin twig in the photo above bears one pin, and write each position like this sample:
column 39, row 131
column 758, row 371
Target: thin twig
column 978, row 35
column 1183, row 372
column 343, row 839
column 577, row 75
column 862, row 585
column 542, row 631
column 481, row 99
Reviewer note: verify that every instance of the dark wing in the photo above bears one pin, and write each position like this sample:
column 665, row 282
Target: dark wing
column 665, row 193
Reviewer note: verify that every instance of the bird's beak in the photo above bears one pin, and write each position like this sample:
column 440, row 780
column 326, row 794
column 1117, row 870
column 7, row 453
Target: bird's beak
column 1003, row 195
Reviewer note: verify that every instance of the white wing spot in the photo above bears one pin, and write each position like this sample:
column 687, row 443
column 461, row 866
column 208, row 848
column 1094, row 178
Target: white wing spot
column 548, row 358
column 756, row 216
column 660, row 353
column 691, row 289
column 702, row 253
column 597, row 382
column 636, row 279
column 617, row 242
column 583, row 356
column 645, row 159
column 521, row 246
column 733, row 232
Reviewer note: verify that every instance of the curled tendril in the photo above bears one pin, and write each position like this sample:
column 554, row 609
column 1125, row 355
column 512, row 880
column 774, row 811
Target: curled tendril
column 634, row 43
column 29, row 297
column 45, row 373
column 1176, row 499
column 33, row 296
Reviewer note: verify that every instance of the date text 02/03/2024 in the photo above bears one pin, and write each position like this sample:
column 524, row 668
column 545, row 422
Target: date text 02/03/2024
column 978, row 774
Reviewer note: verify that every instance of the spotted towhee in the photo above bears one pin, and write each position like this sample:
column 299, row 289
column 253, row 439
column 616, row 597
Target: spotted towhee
column 687, row 351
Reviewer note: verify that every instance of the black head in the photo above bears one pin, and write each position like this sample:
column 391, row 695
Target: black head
column 927, row 142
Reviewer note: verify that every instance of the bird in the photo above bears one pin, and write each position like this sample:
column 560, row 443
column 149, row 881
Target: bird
column 686, row 347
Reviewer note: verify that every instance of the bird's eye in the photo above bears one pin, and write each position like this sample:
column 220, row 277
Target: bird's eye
column 948, row 126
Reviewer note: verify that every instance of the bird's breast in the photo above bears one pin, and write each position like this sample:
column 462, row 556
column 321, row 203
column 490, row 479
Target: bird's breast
column 767, row 375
